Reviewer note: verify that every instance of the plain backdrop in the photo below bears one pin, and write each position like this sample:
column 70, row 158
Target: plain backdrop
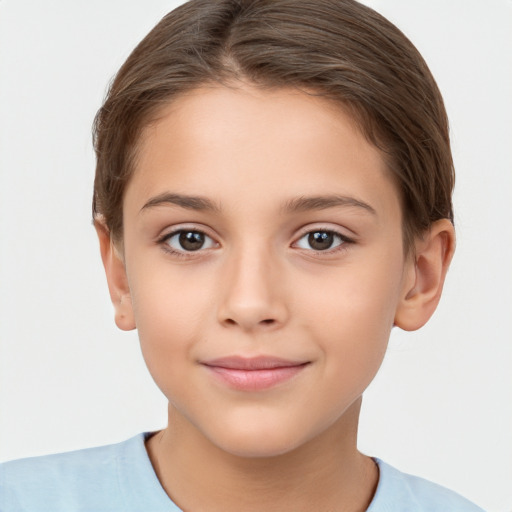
column 441, row 406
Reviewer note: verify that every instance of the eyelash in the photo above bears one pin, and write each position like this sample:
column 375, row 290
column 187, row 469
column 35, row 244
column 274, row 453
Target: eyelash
column 342, row 246
column 163, row 242
column 344, row 241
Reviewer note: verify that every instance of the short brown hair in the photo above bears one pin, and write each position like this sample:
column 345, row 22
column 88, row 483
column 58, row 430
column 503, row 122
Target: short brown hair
column 338, row 49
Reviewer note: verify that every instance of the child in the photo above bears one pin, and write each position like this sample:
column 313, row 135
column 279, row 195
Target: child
column 272, row 196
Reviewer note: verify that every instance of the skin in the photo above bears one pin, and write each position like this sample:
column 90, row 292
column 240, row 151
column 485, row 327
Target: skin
column 258, row 287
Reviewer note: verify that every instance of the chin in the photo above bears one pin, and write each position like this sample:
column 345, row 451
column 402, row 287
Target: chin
column 257, row 449
column 258, row 442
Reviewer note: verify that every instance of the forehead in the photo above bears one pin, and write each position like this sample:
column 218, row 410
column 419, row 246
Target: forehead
column 248, row 145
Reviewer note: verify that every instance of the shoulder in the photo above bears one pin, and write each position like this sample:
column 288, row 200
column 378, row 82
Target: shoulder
column 399, row 492
column 78, row 480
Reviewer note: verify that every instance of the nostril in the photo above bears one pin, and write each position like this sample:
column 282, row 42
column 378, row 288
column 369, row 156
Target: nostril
column 268, row 321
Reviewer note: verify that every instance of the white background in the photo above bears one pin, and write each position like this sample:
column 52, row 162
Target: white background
column 441, row 406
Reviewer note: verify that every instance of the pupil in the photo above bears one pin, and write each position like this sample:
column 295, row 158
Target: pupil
column 191, row 240
column 320, row 240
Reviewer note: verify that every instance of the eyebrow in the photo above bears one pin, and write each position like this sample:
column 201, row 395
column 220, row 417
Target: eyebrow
column 304, row 203
column 185, row 201
column 299, row 204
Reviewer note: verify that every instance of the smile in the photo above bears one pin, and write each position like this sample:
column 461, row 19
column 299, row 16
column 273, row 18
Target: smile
column 253, row 374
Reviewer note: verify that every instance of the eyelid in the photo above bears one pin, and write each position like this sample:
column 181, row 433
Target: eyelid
column 177, row 228
column 344, row 233
column 345, row 239
column 169, row 233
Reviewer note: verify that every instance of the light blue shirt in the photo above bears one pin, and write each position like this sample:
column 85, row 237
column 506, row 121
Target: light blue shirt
column 120, row 478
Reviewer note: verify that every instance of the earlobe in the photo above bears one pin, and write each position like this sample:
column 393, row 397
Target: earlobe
column 116, row 278
column 425, row 276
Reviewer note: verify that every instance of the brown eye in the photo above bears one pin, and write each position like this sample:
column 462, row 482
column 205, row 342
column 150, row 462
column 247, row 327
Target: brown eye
column 188, row 241
column 321, row 240
column 191, row 240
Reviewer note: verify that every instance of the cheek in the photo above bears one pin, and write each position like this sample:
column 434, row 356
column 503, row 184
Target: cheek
column 165, row 295
column 170, row 314
column 351, row 315
column 363, row 295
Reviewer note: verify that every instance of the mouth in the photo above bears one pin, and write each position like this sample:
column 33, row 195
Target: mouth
column 253, row 374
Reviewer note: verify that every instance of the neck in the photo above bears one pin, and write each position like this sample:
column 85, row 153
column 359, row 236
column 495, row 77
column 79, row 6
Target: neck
column 326, row 473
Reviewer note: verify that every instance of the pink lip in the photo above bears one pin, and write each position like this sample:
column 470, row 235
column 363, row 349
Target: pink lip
column 253, row 374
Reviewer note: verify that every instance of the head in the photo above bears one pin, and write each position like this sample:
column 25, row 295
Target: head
column 274, row 180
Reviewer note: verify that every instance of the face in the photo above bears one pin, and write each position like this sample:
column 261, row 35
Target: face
column 264, row 264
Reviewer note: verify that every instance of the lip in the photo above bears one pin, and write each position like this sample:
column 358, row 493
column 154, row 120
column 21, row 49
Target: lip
column 253, row 373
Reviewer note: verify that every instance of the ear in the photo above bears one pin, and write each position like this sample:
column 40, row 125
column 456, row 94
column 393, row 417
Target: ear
column 424, row 276
column 116, row 278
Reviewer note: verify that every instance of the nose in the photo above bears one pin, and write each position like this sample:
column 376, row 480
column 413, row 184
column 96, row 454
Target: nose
column 252, row 293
